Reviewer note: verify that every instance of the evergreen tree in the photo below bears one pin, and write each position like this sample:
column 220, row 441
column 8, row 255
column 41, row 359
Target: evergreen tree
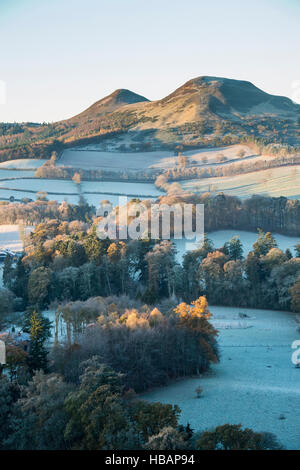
column 235, row 248
column 297, row 250
column 206, row 247
column 39, row 330
column 264, row 243
column 8, row 271
column 20, row 283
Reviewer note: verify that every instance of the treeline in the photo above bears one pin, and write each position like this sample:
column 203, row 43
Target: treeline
column 68, row 262
column 30, row 149
column 237, row 168
column 67, row 173
column 266, row 278
column 222, row 212
column 35, row 212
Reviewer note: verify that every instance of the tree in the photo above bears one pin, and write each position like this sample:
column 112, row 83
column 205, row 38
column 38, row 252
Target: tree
column 96, row 416
column 198, row 309
column 150, row 418
column 297, row 250
column 39, row 330
column 7, row 300
column 167, row 439
column 231, row 437
column 9, row 393
column 16, row 357
column 206, row 247
column 264, row 243
column 20, row 281
column 295, row 293
column 39, row 417
column 161, row 263
column 8, row 271
column 76, row 178
column 235, row 248
column 38, row 286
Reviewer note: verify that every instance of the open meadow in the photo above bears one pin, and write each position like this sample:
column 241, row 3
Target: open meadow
column 255, row 383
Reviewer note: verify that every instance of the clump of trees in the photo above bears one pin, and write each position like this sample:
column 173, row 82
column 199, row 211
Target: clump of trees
column 148, row 347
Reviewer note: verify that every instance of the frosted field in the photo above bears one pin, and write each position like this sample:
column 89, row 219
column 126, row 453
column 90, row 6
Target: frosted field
column 19, row 195
column 19, row 188
column 21, row 164
column 247, row 238
column 10, row 237
column 37, row 184
column 275, row 182
column 92, row 157
column 61, row 190
column 255, row 383
column 137, row 189
column 7, row 174
column 68, row 187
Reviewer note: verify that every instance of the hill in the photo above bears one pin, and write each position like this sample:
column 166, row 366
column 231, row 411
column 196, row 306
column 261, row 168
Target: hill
column 107, row 105
column 204, row 111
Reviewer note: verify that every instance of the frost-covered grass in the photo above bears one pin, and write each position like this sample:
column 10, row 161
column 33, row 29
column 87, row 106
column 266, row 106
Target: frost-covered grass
column 247, row 238
column 61, row 190
column 95, row 199
column 10, row 237
column 37, row 184
column 5, row 194
column 92, row 157
column 138, row 189
column 275, row 182
column 7, row 174
column 27, row 188
column 255, row 382
column 22, row 164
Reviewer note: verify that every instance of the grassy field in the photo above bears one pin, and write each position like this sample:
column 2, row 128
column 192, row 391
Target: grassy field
column 275, row 182
column 255, row 384
column 92, row 157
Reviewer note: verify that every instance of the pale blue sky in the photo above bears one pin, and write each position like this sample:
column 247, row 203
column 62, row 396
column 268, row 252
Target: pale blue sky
column 59, row 56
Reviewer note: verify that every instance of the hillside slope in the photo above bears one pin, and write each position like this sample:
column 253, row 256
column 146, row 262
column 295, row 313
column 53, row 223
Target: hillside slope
column 204, row 111
column 110, row 103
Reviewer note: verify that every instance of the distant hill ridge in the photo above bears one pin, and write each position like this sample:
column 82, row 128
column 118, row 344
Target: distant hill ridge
column 198, row 105
column 204, row 111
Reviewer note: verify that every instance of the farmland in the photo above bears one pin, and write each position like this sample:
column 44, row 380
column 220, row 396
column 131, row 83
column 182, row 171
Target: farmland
column 95, row 157
column 276, row 182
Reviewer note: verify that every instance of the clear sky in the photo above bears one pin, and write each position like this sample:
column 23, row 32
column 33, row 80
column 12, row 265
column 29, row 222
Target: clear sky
column 59, row 56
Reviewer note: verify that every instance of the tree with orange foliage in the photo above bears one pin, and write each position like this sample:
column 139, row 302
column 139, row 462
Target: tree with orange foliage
column 198, row 308
column 195, row 318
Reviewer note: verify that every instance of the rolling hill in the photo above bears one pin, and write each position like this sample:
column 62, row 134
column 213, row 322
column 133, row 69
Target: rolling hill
column 204, row 111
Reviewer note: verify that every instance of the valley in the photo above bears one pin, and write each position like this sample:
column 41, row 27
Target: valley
column 142, row 306
column 255, row 383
